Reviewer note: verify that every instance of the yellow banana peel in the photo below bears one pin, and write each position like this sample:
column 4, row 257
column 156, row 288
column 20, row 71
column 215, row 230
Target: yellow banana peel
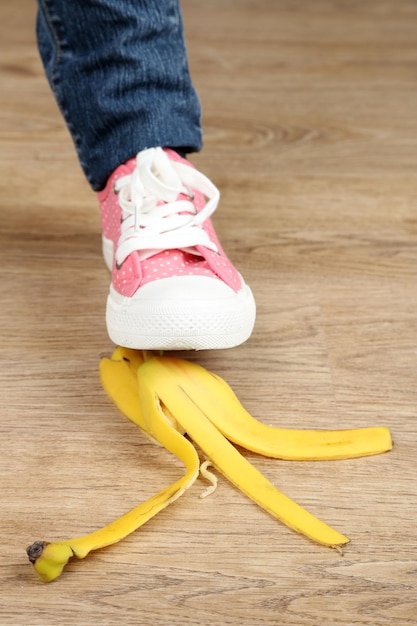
column 168, row 397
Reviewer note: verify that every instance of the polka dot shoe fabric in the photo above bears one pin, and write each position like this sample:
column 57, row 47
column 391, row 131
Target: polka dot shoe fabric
column 173, row 287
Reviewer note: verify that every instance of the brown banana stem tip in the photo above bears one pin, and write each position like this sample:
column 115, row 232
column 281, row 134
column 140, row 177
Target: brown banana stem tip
column 35, row 550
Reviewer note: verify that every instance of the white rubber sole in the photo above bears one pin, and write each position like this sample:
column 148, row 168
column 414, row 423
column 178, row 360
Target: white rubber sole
column 153, row 322
column 182, row 313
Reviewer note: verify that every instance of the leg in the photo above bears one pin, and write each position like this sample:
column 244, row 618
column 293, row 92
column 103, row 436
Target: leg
column 119, row 72
column 118, row 69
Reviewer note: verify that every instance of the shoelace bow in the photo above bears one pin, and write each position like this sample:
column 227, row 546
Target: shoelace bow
column 158, row 212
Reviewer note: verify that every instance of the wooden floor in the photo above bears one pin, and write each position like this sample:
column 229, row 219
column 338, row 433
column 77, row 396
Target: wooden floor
column 311, row 134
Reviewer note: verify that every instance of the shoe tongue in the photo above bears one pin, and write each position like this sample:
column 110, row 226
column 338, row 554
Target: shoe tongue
column 170, row 186
column 163, row 179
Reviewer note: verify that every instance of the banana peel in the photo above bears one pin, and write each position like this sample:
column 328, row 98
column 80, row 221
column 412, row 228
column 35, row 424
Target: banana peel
column 169, row 397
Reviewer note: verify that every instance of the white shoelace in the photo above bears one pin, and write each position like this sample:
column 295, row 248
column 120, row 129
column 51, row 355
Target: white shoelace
column 149, row 226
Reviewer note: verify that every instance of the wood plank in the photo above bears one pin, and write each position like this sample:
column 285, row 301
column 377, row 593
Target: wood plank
column 310, row 133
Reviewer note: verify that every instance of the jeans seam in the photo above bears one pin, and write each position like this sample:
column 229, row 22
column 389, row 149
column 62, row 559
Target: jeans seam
column 55, row 79
column 57, row 43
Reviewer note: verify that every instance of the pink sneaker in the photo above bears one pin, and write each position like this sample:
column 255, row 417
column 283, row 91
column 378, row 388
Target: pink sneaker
column 173, row 288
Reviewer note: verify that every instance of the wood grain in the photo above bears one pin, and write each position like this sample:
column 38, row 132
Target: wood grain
column 311, row 135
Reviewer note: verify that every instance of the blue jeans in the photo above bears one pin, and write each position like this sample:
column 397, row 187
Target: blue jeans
column 119, row 72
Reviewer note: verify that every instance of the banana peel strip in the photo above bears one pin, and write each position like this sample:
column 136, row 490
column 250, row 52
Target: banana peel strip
column 49, row 558
column 168, row 397
column 226, row 458
column 221, row 406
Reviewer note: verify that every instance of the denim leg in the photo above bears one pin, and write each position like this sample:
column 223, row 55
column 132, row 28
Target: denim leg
column 119, row 73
